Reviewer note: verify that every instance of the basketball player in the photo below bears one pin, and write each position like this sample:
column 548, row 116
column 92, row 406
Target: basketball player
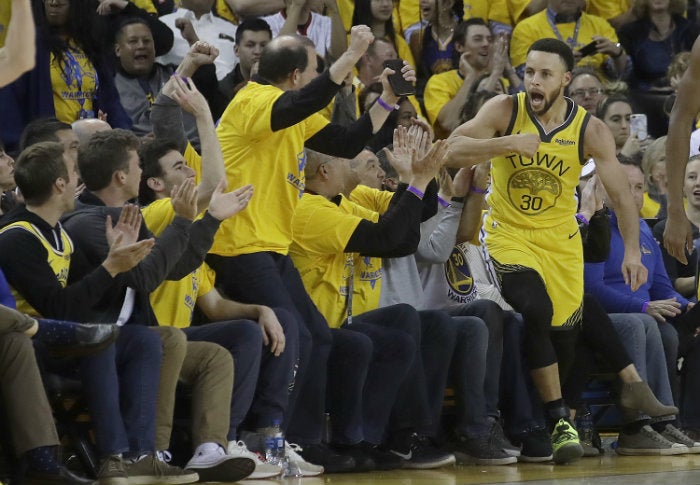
column 538, row 140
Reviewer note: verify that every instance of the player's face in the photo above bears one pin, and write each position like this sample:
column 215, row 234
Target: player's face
column 691, row 186
column 545, row 80
column 617, row 117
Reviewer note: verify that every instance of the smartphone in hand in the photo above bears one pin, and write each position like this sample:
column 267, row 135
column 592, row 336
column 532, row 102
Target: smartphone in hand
column 588, row 49
column 400, row 86
column 638, row 126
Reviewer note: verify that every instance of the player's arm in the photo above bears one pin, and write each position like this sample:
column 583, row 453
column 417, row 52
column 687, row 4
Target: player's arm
column 599, row 144
column 678, row 235
column 480, row 138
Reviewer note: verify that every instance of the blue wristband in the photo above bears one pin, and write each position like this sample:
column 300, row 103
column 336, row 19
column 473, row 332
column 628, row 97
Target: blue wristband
column 477, row 190
column 417, row 192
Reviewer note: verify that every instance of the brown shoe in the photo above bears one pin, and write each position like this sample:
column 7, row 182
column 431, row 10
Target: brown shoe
column 638, row 396
column 150, row 470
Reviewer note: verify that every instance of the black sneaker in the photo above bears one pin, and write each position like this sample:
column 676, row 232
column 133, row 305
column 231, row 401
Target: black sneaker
column 331, row 461
column 363, row 462
column 536, row 446
column 383, row 459
column 420, row 453
column 482, row 449
column 504, row 443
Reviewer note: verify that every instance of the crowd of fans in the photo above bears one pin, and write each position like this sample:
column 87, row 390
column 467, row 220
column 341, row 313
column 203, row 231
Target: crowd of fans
column 236, row 188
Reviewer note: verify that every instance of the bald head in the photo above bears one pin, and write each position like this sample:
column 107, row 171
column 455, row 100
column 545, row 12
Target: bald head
column 85, row 128
column 282, row 56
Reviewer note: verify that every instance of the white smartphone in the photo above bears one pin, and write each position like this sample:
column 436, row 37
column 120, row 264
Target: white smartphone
column 638, row 126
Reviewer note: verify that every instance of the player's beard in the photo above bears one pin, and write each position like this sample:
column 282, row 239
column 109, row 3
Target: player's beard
column 549, row 99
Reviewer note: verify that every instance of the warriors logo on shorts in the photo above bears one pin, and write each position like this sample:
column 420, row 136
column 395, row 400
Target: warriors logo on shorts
column 533, row 190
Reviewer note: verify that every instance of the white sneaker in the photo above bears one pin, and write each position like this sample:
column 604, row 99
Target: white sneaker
column 262, row 469
column 213, row 464
column 292, row 450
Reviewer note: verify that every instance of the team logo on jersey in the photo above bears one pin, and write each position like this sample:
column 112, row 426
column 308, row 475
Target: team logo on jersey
column 533, row 190
column 461, row 287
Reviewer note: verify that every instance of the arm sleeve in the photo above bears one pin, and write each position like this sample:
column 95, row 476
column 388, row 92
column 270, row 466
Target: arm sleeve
column 295, row 106
column 23, row 261
column 396, row 234
column 166, row 118
column 207, row 83
column 438, row 240
column 612, row 300
column 342, row 141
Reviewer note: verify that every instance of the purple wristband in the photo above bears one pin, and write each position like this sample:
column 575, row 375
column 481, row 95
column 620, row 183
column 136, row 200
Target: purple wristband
column 417, row 192
column 443, row 202
column 581, row 218
column 477, row 190
column 384, row 105
column 645, row 305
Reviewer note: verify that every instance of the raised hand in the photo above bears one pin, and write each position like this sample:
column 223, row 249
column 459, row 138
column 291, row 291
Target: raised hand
column 128, row 225
column 202, row 53
column 227, row 204
column 427, row 167
column 184, row 199
column 186, row 94
column 106, row 7
column 123, row 257
column 186, row 30
column 361, row 37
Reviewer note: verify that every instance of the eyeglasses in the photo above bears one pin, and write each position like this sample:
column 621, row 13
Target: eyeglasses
column 580, row 93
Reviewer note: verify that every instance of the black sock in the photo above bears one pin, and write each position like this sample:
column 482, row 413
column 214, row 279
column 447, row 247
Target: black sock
column 557, row 409
column 634, row 427
column 52, row 332
column 42, row 459
column 660, row 426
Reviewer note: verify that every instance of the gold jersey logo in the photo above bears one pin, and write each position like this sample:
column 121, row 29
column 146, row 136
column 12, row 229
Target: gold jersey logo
column 533, row 190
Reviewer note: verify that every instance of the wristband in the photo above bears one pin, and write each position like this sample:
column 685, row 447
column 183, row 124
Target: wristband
column 582, row 219
column 645, row 305
column 477, row 190
column 417, row 192
column 385, row 105
column 443, row 202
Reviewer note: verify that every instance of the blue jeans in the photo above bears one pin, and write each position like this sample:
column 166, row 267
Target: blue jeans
column 643, row 338
column 262, row 381
column 271, row 279
column 120, row 385
column 367, row 365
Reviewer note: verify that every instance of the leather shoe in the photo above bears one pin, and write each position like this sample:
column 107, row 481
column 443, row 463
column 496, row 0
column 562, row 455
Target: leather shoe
column 61, row 477
column 90, row 338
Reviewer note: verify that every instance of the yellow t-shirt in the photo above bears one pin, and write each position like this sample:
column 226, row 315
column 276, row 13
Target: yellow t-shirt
column 194, row 161
column 372, row 199
column 607, row 9
column 439, row 90
column 5, row 15
column 650, row 208
column 539, row 192
column 477, row 9
column 58, row 260
column 508, row 12
column 272, row 161
column 538, row 27
column 74, row 82
column 173, row 301
column 322, row 229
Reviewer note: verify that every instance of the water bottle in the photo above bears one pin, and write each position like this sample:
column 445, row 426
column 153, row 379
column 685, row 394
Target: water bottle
column 274, row 444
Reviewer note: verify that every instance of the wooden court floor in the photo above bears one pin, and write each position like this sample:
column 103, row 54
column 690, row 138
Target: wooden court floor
column 608, row 469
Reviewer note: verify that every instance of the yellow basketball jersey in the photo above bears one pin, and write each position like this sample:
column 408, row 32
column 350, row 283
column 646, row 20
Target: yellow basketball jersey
column 58, row 260
column 539, row 191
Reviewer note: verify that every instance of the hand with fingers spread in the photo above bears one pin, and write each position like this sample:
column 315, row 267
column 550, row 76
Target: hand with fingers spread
column 186, row 94
column 128, row 225
column 184, row 199
column 122, row 257
column 426, row 168
column 227, row 204
column 273, row 334
column 400, row 155
column 591, row 197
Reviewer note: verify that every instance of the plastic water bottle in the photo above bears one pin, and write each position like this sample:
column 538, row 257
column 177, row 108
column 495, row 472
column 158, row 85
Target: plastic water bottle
column 274, row 445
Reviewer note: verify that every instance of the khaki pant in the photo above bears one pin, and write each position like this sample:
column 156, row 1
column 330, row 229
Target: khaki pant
column 28, row 410
column 208, row 369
